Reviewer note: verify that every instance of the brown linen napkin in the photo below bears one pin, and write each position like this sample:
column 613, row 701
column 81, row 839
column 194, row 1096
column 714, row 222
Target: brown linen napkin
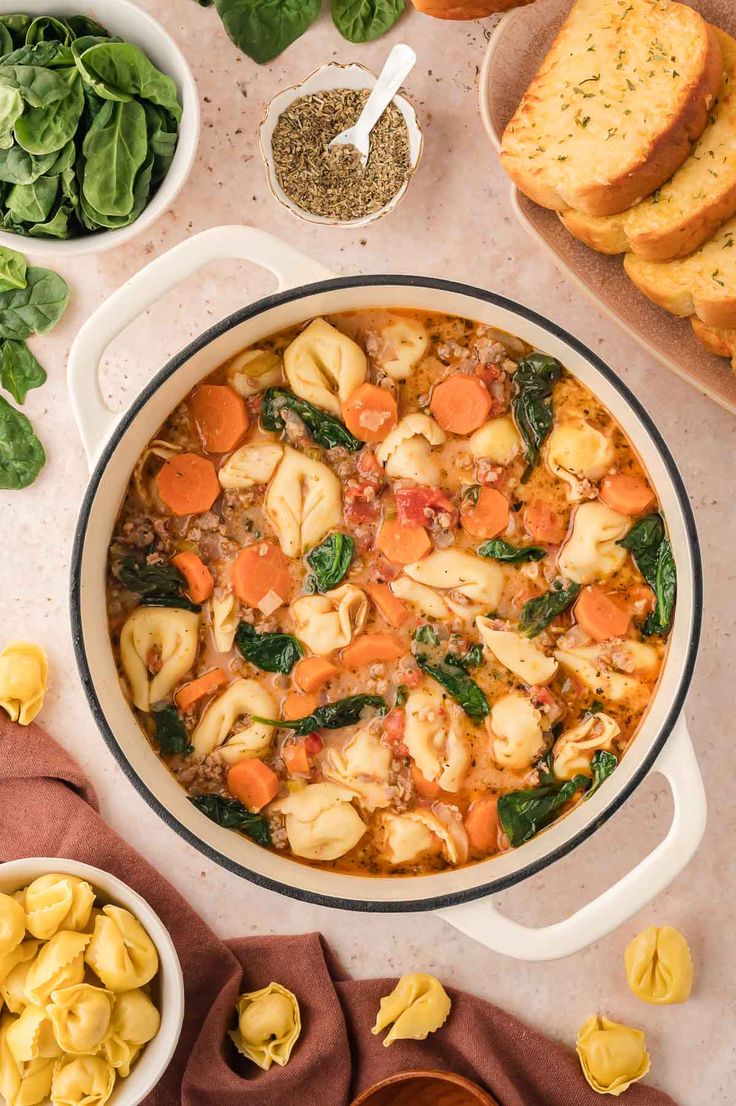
column 49, row 808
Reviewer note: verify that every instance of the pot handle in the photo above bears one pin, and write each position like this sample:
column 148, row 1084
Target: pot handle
column 483, row 922
column 93, row 417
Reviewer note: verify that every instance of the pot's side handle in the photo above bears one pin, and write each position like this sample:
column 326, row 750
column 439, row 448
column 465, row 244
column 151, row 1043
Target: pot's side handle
column 482, row 921
column 290, row 267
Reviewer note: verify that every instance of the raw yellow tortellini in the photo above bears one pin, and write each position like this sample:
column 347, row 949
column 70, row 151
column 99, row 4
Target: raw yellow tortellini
column 54, row 902
column 321, row 821
column 592, row 551
column 31, row 1036
column 23, row 675
column 324, row 366
column 12, row 924
column 14, row 968
column 241, row 699
column 269, row 1024
column 120, row 952
column 659, row 967
column 22, row 1084
column 135, row 1021
column 612, row 1056
column 80, row 1017
column 82, row 1081
column 173, row 635
column 330, row 621
column 60, row 963
column 406, row 453
column 303, row 502
column 363, row 765
column 434, row 739
column 417, row 1006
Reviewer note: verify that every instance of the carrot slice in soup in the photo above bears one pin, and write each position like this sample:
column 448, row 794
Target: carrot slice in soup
column 188, row 484
column 312, row 672
column 599, row 615
column 389, row 605
column 481, row 823
column 296, row 758
column 629, row 495
column 298, row 705
column 428, row 789
column 372, row 649
column 545, row 523
column 370, row 413
column 403, row 544
column 253, row 782
column 461, row 404
column 221, row 417
column 258, row 571
column 488, row 516
column 200, row 584
column 195, row 690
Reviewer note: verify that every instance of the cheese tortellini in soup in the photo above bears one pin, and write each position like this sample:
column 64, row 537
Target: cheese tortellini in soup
column 404, row 342
column 120, row 952
column 574, row 749
column 324, row 366
column 496, row 441
column 23, row 676
column 435, row 740
column 269, row 1025
column 439, row 829
column 321, row 821
column 580, row 456
column 417, row 1006
column 158, row 646
column 478, row 581
column 54, row 902
column 303, row 502
column 592, row 551
column 224, row 619
column 659, row 967
column 516, row 728
column 409, row 451
column 613, row 674
column 226, row 726
column 520, row 655
column 251, row 465
column 330, row 621
column 363, row 765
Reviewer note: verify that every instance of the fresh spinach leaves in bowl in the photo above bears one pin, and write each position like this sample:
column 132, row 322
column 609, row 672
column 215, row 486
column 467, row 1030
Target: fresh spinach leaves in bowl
column 88, row 127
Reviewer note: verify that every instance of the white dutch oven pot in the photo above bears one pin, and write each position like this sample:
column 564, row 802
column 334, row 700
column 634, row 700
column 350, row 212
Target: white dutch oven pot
column 113, row 443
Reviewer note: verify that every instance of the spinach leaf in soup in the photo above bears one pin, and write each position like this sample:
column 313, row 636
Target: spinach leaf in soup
column 19, row 369
column 643, row 541
column 231, row 814
column 332, row 716
column 270, row 652
column 35, row 308
column 523, row 814
column 535, row 376
column 160, row 580
column 500, row 550
column 326, row 430
column 652, row 552
column 536, row 614
column 365, row 20
column 12, row 269
column 450, row 673
column 330, row 561
column 21, row 454
column 263, row 28
column 170, row 735
column 114, row 149
column 602, row 765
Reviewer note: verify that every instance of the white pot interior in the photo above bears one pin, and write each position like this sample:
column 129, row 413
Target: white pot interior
column 143, row 765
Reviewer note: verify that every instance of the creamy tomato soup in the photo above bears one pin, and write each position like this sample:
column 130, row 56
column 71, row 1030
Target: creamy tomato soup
column 390, row 593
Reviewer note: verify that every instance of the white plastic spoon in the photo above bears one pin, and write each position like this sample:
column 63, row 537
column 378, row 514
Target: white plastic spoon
column 400, row 61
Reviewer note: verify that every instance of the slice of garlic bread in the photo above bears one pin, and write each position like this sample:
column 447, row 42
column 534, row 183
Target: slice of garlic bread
column 720, row 342
column 703, row 284
column 622, row 95
column 685, row 211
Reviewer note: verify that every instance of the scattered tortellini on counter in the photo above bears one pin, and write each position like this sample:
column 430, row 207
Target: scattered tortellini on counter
column 76, row 1009
column 612, row 1056
column 417, row 1006
column 23, row 676
column 659, row 967
column 269, row 1025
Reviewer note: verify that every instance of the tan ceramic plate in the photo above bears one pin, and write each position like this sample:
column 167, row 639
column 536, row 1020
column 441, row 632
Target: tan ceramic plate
column 513, row 56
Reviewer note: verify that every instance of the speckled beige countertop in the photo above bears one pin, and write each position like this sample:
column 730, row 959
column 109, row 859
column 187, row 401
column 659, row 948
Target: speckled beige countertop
column 455, row 222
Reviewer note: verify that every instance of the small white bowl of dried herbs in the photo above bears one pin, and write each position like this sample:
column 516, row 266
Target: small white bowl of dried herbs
column 329, row 185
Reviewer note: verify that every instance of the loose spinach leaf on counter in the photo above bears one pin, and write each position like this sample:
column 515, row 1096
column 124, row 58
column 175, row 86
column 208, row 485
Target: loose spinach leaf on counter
column 365, row 20
column 231, row 814
column 263, row 28
column 602, row 764
column 12, row 269
column 523, row 814
column 501, row 550
column 271, row 652
column 35, row 308
column 652, row 553
column 537, row 613
column 171, row 736
column 332, row 716
column 330, row 561
column 535, row 376
column 21, row 454
column 19, row 370
column 326, row 430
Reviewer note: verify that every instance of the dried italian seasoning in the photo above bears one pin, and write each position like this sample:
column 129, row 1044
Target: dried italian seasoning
column 331, row 181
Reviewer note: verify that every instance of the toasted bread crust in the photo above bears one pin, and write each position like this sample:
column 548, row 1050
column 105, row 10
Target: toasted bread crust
column 721, row 342
column 530, row 163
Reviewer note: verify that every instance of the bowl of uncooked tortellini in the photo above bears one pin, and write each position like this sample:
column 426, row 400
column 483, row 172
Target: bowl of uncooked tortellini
column 91, row 989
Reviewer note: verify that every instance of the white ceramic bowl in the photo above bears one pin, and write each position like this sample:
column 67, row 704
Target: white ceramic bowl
column 327, row 77
column 154, row 1059
column 122, row 18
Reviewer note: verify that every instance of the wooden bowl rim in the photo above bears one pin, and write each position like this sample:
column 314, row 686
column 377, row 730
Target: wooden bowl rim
column 482, row 1096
